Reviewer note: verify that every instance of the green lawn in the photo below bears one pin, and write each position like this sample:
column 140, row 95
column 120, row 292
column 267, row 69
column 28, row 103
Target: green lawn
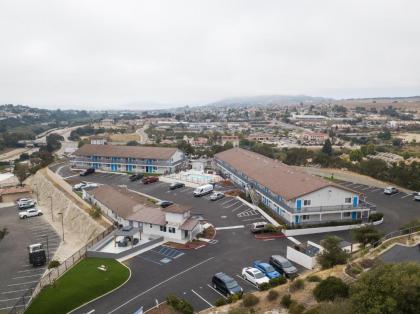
column 80, row 284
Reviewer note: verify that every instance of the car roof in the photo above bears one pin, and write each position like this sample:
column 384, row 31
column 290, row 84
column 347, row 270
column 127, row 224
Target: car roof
column 280, row 258
column 253, row 270
column 264, row 264
column 223, row 277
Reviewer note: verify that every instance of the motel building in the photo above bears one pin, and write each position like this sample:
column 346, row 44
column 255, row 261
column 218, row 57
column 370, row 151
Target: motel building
column 133, row 159
column 297, row 197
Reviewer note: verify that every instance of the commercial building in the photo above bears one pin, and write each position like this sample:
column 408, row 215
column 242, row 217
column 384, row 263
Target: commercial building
column 141, row 159
column 126, row 207
column 297, row 197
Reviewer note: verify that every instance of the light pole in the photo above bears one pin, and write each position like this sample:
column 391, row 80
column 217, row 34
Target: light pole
column 62, row 224
column 48, row 249
column 52, row 216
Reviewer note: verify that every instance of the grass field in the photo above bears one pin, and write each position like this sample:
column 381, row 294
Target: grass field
column 80, row 284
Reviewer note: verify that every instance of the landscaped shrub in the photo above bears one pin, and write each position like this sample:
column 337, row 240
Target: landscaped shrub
column 250, row 300
column 95, row 211
column 272, row 295
column 220, row 302
column 296, row 285
column 376, row 217
column 330, row 289
column 367, row 263
column 296, row 308
column 179, row 304
column 53, row 264
column 313, row 278
column 286, row 300
column 239, row 310
column 264, row 286
column 353, row 270
column 233, row 298
column 274, row 282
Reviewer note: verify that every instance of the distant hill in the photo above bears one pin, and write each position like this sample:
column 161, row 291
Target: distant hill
column 268, row 100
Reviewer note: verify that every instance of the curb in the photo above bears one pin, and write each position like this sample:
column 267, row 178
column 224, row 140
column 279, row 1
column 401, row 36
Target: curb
column 274, row 236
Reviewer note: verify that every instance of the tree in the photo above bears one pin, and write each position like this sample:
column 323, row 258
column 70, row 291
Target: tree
column 332, row 254
column 21, row 171
column 385, row 135
column 387, row 289
column 356, row 155
column 330, row 289
column 397, row 142
column 327, row 148
column 366, row 235
column 132, row 143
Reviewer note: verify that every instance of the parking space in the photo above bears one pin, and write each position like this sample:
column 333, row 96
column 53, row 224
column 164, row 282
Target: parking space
column 17, row 274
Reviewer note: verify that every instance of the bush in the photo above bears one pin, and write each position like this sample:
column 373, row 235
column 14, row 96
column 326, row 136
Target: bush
column 353, row 270
column 332, row 254
column 272, row 295
column 274, row 282
column 53, row 264
column 375, row 217
column 296, row 285
column 233, row 298
column 250, row 300
column 366, row 235
column 330, row 289
column 296, row 308
column 179, row 304
column 286, row 300
column 367, row 263
column 239, row 310
column 314, row 278
column 220, row 302
column 264, row 286
column 95, row 211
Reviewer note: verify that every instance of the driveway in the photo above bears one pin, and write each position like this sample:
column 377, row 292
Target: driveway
column 401, row 253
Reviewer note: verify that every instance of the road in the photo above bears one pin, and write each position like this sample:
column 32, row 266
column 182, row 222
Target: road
column 144, row 138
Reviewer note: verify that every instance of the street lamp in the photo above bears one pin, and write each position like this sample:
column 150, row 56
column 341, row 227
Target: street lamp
column 48, row 249
column 62, row 224
column 52, row 216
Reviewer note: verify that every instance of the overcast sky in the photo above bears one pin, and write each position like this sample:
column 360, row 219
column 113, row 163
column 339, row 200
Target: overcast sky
column 144, row 54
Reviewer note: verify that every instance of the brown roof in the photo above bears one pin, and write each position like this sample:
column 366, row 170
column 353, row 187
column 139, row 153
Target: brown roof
column 189, row 224
column 286, row 181
column 15, row 190
column 142, row 152
column 128, row 205
column 177, row 209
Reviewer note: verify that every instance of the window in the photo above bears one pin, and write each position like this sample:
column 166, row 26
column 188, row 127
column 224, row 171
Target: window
column 151, row 226
column 346, row 214
column 347, row 200
column 305, row 217
column 163, row 228
column 171, row 230
column 307, row 202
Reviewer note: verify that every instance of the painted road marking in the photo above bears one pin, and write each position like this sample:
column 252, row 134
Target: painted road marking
column 13, row 291
column 36, row 269
column 251, row 219
column 406, row 195
column 375, row 190
column 201, row 298
column 247, row 281
column 215, row 290
column 369, row 187
column 229, row 200
column 395, row 194
column 159, row 284
column 232, row 204
column 23, row 283
column 238, row 207
column 28, row 276
column 231, row 227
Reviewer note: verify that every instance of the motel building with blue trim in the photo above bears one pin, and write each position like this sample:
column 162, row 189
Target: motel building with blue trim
column 131, row 159
column 297, row 197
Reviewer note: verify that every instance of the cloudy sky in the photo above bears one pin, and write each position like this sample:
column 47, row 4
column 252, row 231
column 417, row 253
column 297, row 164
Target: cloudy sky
column 142, row 54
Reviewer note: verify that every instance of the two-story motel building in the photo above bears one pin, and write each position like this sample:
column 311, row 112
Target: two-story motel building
column 297, row 197
column 136, row 159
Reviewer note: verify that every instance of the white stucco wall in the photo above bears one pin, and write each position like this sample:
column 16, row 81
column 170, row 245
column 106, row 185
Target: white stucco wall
column 177, row 156
column 328, row 196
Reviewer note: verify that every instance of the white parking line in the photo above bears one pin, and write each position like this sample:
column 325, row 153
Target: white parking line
column 237, row 207
column 247, row 281
column 186, row 190
column 257, row 218
column 201, row 298
column 215, row 290
column 11, row 299
column 229, row 201
column 407, row 195
column 28, row 276
column 395, row 194
column 231, row 227
column 9, row 307
column 231, row 205
column 36, row 269
column 375, row 190
column 13, row 291
column 23, row 283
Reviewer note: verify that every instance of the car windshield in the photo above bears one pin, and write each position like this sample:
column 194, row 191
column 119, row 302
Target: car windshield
column 286, row 264
column 259, row 275
column 231, row 284
column 269, row 269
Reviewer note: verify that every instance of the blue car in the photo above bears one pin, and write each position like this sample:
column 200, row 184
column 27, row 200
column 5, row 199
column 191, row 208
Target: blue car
column 267, row 269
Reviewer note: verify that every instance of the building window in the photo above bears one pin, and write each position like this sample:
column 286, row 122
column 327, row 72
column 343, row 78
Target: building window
column 305, row 217
column 151, row 226
column 347, row 200
column 163, row 228
column 171, row 230
column 307, row 202
column 346, row 215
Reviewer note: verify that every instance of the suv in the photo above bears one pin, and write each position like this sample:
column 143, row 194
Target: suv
column 135, row 177
column 283, row 266
column 216, row 196
column 147, row 180
column 88, row 171
column 26, row 204
column 176, row 185
column 165, row 204
column 390, row 190
column 30, row 213
column 226, row 284
column 259, row 227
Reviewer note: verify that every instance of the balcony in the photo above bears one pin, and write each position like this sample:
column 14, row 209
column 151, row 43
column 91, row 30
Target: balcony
column 337, row 208
column 125, row 161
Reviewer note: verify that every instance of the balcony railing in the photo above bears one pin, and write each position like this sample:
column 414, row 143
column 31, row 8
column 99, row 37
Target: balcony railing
column 125, row 161
column 362, row 205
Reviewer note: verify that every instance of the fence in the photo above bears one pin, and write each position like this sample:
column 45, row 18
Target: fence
column 407, row 231
column 54, row 273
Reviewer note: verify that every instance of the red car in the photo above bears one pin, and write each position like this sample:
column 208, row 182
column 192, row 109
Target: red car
column 147, row 180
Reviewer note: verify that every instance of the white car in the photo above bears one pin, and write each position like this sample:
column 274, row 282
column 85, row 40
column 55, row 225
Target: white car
column 416, row 196
column 390, row 190
column 255, row 276
column 84, row 185
column 30, row 213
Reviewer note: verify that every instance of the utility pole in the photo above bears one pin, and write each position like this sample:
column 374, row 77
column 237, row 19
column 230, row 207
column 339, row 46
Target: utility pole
column 48, row 249
column 52, row 216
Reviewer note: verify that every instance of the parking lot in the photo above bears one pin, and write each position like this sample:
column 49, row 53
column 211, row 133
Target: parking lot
column 17, row 275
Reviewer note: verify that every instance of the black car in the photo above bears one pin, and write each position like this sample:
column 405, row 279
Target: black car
column 283, row 266
column 135, row 177
column 226, row 284
column 165, row 204
column 176, row 185
column 87, row 172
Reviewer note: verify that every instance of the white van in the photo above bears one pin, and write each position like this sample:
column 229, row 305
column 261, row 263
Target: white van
column 203, row 190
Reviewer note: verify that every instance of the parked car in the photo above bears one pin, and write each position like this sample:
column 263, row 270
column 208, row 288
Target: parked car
column 135, row 177
column 176, row 185
column 147, row 180
column 26, row 205
column 216, row 196
column 226, row 284
column 416, row 196
column 203, row 190
column 37, row 255
column 87, row 172
column 390, row 190
column 24, row 200
column 259, row 227
column 266, row 269
column 254, row 276
column 165, row 204
column 30, row 213
column 283, row 266
column 84, row 185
